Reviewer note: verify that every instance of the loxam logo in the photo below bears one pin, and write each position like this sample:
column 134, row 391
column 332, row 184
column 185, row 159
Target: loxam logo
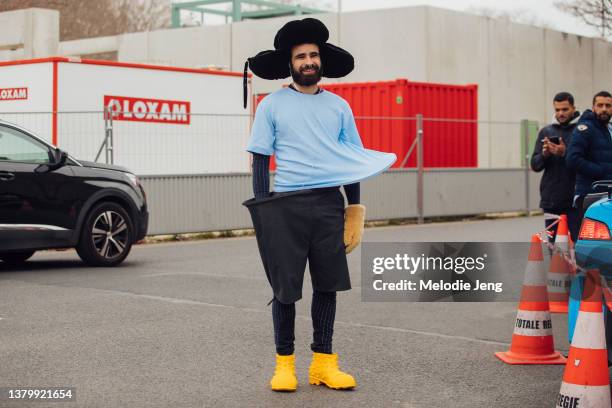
column 13, row 94
column 148, row 110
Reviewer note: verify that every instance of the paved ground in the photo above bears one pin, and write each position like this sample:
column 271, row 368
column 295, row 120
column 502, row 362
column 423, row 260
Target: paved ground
column 186, row 325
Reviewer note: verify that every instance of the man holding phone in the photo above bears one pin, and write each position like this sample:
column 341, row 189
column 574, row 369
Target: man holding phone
column 557, row 185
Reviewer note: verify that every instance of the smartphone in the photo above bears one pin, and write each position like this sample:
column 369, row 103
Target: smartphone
column 554, row 139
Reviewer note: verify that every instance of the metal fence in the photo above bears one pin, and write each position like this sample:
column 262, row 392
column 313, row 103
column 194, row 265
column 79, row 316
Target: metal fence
column 197, row 174
column 194, row 203
column 214, row 143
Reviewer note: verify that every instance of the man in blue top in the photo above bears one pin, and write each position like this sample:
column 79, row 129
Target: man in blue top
column 313, row 135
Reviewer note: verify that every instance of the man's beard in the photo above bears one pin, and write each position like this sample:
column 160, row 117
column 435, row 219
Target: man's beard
column 568, row 119
column 306, row 79
column 603, row 117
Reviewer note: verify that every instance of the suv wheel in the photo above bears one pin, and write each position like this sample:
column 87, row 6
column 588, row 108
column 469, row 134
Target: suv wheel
column 16, row 258
column 106, row 235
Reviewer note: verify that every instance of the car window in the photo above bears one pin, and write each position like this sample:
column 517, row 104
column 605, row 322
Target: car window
column 20, row 147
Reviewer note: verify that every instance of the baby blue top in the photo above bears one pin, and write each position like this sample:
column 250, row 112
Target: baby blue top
column 315, row 141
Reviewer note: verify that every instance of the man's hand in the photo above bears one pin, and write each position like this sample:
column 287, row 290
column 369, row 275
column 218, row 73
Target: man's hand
column 557, row 149
column 354, row 219
column 546, row 147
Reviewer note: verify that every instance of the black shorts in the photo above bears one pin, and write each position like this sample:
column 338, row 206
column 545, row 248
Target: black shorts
column 298, row 226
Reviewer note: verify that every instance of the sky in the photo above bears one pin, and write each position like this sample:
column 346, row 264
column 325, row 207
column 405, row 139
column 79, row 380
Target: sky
column 541, row 12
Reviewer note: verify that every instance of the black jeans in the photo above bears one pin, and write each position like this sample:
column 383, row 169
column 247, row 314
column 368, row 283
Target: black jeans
column 323, row 312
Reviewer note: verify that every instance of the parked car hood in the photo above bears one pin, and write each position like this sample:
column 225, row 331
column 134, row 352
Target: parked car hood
column 104, row 166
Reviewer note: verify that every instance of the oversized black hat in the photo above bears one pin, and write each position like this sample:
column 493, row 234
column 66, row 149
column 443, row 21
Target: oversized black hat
column 274, row 64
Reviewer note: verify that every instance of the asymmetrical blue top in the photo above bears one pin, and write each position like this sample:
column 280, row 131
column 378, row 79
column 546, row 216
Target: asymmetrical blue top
column 315, row 141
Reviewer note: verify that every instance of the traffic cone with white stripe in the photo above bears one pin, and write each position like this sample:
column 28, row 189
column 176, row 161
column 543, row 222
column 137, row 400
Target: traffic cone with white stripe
column 559, row 272
column 532, row 341
column 586, row 382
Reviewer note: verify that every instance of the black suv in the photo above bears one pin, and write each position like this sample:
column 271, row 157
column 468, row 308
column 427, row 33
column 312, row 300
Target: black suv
column 51, row 200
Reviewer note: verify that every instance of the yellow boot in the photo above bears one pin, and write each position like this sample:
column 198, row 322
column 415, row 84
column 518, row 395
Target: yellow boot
column 284, row 378
column 324, row 369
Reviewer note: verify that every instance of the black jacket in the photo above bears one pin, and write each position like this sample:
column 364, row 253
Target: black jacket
column 590, row 152
column 557, row 185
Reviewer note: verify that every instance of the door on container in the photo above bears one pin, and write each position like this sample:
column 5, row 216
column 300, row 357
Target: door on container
column 33, row 203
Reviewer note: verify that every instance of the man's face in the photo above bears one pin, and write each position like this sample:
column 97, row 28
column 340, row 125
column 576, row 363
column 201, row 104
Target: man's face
column 306, row 64
column 564, row 111
column 603, row 108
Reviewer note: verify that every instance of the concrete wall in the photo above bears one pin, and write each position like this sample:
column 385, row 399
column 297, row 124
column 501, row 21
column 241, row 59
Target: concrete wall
column 602, row 63
column 29, row 33
column 185, row 47
column 577, row 77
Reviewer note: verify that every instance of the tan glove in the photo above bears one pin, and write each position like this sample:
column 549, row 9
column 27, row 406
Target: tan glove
column 354, row 218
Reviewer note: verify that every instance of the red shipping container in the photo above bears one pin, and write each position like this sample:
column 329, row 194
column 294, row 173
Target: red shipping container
column 385, row 113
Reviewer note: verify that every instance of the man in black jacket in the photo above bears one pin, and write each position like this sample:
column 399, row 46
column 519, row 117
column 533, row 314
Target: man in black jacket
column 590, row 151
column 557, row 185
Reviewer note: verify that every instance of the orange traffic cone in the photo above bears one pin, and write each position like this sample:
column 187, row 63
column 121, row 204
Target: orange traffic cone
column 586, row 382
column 532, row 341
column 559, row 272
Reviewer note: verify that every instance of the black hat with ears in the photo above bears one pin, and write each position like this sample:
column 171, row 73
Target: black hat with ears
column 274, row 64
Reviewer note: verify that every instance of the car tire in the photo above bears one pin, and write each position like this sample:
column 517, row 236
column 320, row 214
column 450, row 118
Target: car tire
column 16, row 258
column 106, row 235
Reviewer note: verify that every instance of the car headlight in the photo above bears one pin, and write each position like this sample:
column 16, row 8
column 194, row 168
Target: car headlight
column 136, row 183
column 133, row 179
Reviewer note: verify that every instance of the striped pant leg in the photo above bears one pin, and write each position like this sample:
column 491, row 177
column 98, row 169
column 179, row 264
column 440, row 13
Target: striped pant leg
column 283, row 317
column 323, row 311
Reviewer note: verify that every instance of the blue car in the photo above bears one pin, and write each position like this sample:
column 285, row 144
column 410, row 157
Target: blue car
column 594, row 246
column 594, row 251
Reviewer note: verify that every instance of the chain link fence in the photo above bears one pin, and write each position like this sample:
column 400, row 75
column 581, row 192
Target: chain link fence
column 214, row 143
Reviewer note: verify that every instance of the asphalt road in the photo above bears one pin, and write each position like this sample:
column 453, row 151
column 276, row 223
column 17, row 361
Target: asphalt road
column 186, row 325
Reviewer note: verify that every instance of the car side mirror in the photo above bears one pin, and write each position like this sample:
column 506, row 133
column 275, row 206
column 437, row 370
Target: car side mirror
column 59, row 159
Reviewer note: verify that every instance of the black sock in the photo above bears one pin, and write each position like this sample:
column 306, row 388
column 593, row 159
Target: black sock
column 323, row 311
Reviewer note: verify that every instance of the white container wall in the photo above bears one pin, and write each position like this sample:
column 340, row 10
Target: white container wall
column 165, row 120
column 34, row 111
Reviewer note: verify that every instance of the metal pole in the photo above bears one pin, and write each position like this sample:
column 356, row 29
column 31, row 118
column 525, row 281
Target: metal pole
column 176, row 16
column 236, row 11
column 419, row 136
column 106, row 133
column 525, row 131
column 407, row 156
column 103, row 145
column 110, row 154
